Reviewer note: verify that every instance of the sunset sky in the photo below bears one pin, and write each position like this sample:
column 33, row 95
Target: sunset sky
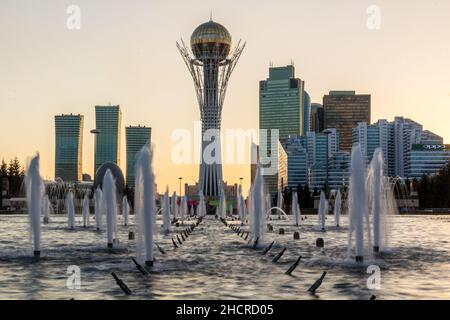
column 125, row 54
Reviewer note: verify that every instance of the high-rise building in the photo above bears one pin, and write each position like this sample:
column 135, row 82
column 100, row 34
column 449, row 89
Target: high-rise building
column 281, row 104
column 282, row 167
column 296, row 162
column 334, row 173
column 316, row 118
column 136, row 138
column 306, row 113
column 211, row 64
column 108, row 121
column 408, row 150
column 69, row 147
column 378, row 135
column 320, row 146
column 343, row 110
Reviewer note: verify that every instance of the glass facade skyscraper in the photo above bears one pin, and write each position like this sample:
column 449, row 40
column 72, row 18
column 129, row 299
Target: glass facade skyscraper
column 408, row 150
column 108, row 121
column 306, row 113
column 337, row 175
column 69, row 147
column 281, row 104
column 136, row 138
column 316, row 118
column 343, row 110
column 296, row 162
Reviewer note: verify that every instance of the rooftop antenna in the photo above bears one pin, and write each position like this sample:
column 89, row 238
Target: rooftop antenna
column 270, row 64
column 210, row 15
column 292, row 63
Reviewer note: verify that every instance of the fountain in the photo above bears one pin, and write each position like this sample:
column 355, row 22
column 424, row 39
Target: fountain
column 70, row 210
column 279, row 202
column 269, row 203
column 165, row 206
column 202, row 205
column 183, row 208
column 98, row 203
column 296, row 209
column 337, row 208
column 381, row 200
column 46, row 209
column 223, row 206
column 145, row 206
column 322, row 210
column 174, row 205
column 377, row 173
column 357, row 202
column 86, row 212
column 238, row 202
column 110, row 203
column 243, row 209
column 125, row 210
column 34, row 189
column 258, row 207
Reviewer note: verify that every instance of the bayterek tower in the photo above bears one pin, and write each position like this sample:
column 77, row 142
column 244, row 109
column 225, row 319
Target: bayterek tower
column 210, row 62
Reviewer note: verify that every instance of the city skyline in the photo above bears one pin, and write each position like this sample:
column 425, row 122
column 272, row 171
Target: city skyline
column 59, row 81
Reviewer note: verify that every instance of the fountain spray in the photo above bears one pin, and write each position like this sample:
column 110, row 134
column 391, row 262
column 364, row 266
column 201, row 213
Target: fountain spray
column 86, row 212
column 377, row 172
column 174, row 205
column 145, row 205
column 295, row 209
column 337, row 208
column 70, row 210
column 98, row 203
column 110, row 202
column 46, row 209
column 125, row 210
column 223, row 205
column 357, row 202
column 258, row 206
column 166, row 212
column 322, row 210
column 33, row 183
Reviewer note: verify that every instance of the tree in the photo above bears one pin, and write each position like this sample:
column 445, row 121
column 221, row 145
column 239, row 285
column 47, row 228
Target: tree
column 3, row 169
column 14, row 168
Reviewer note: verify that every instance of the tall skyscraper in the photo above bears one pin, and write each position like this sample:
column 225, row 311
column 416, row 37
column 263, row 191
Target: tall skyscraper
column 321, row 146
column 69, row 147
column 316, row 118
column 210, row 64
column 281, row 107
column 136, row 138
column 343, row 110
column 306, row 113
column 108, row 121
column 296, row 162
column 371, row 137
column 408, row 150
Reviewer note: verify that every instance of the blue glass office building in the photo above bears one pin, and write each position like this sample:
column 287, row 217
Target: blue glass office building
column 69, row 147
column 108, row 121
column 136, row 138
